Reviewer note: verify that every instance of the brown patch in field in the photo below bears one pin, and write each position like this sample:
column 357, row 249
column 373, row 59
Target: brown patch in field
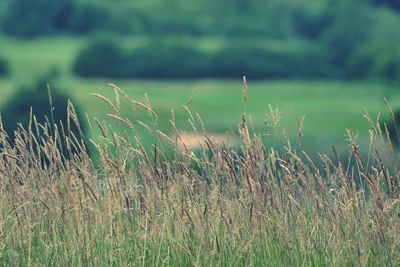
column 195, row 140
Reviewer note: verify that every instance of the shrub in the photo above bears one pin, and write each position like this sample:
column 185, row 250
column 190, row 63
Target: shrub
column 17, row 111
column 3, row 67
column 102, row 59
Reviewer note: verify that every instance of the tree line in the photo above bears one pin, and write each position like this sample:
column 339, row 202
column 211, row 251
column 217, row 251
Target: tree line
column 359, row 37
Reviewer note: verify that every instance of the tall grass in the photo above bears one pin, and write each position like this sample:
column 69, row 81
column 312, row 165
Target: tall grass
column 218, row 205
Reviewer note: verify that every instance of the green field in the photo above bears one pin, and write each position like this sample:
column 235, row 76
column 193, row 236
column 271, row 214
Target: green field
column 330, row 107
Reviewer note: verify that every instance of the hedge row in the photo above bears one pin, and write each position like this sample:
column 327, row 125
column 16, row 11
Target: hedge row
column 166, row 60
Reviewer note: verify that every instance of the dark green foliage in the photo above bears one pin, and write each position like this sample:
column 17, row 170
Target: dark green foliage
column 155, row 60
column 378, row 54
column 169, row 60
column 311, row 24
column 272, row 18
column 87, row 18
column 350, row 26
column 395, row 4
column 31, row 18
column 393, row 128
column 17, row 111
column 3, row 67
column 164, row 59
column 341, row 35
column 28, row 18
column 236, row 60
column 376, row 60
column 102, row 59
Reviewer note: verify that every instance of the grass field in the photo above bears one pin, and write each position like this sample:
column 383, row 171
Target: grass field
column 330, row 107
column 254, row 205
column 222, row 206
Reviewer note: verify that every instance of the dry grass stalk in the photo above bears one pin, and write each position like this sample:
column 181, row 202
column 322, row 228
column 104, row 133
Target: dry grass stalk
column 244, row 89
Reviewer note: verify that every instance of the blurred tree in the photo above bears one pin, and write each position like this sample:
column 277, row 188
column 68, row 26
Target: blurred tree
column 311, row 20
column 379, row 55
column 345, row 30
column 376, row 60
column 350, row 26
column 102, row 58
column 30, row 18
column 86, row 18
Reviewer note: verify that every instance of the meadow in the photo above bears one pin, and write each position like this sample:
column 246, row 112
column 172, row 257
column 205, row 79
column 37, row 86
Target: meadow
column 250, row 205
column 329, row 107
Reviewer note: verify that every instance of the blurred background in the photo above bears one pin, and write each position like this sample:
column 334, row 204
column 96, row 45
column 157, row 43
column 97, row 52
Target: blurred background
column 326, row 59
